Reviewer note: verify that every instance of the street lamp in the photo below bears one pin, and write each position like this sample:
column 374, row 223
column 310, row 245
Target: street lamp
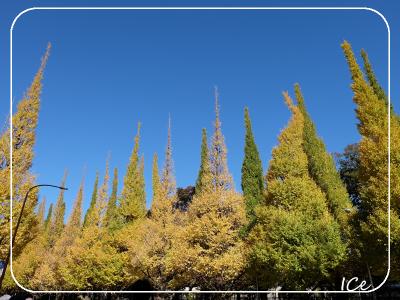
column 17, row 226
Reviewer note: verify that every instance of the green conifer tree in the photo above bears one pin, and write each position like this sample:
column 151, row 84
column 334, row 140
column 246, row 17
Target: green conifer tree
column 252, row 173
column 203, row 183
column 133, row 197
column 92, row 199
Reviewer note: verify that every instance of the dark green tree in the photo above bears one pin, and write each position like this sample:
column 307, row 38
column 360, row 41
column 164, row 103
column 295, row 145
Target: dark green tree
column 252, row 173
column 349, row 163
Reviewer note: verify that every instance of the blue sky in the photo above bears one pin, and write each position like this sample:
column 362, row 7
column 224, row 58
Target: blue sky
column 110, row 69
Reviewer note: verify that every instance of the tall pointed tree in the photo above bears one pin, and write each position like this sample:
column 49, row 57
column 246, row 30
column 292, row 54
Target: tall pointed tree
column 155, row 178
column 222, row 179
column 24, row 123
column 372, row 114
column 97, row 215
column 206, row 248
column 322, row 169
column 164, row 188
column 92, row 254
column 92, row 199
column 57, row 220
column 252, row 173
column 133, row 197
column 294, row 228
column 47, row 222
column 153, row 236
column 203, row 182
column 40, row 213
column 47, row 276
column 373, row 81
column 168, row 178
column 75, row 220
column 112, row 202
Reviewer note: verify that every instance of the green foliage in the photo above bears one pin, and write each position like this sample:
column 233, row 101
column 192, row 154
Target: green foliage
column 296, row 241
column 349, row 165
column 252, row 173
column 203, row 178
column 322, row 169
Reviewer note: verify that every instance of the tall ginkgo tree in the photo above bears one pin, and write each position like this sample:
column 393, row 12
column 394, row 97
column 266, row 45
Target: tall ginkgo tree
column 372, row 112
column 296, row 241
column 23, row 131
column 150, row 248
column 133, row 197
column 207, row 251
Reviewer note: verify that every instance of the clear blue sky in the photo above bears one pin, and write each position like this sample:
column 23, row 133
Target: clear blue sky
column 110, row 69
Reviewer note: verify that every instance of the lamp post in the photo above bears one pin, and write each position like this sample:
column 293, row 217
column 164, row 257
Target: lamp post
column 18, row 223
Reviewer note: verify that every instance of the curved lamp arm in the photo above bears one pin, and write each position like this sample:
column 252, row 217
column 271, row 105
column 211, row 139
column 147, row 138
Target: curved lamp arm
column 19, row 222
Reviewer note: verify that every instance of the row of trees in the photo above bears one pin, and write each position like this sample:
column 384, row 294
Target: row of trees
column 303, row 224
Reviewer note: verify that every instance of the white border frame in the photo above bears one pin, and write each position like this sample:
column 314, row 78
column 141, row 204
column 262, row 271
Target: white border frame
column 199, row 8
